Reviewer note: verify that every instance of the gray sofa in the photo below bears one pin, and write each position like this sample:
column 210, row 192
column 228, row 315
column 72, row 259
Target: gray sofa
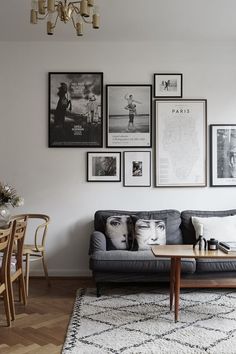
column 109, row 265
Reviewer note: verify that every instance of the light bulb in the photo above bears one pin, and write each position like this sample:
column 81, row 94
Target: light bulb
column 41, row 7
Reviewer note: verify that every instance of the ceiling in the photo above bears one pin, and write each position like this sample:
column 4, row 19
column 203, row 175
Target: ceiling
column 131, row 20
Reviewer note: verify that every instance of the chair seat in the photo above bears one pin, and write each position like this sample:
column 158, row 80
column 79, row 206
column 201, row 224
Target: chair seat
column 31, row 249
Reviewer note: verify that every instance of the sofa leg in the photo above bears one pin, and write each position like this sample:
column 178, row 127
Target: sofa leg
column 98, row 290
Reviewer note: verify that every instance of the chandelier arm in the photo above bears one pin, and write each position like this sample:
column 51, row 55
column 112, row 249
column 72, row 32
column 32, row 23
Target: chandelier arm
column 55, row 23
column 73, row 21
column 42, row 18
column 74, row 2
column 74, row 8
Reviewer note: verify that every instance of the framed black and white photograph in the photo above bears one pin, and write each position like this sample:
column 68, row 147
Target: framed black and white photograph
column 75, row 109
column 181, row 143
column 103, row 166
column 223, row 155
column 137, row 168
column 168, row 85
column 129, row 116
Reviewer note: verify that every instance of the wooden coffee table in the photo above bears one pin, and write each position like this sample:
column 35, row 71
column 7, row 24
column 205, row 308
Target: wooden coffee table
column 176, row 253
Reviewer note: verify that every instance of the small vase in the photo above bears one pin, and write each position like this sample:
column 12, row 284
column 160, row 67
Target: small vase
column 5, row 216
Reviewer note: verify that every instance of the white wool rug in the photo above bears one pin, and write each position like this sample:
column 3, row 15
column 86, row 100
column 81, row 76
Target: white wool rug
column 137, row 320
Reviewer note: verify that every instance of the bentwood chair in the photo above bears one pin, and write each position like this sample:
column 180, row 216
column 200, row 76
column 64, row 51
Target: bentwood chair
column 6, row 245
column 15, row 271
column 36, row 251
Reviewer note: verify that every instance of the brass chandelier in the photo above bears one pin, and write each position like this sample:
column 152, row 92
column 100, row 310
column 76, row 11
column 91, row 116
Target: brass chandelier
column 79, row 12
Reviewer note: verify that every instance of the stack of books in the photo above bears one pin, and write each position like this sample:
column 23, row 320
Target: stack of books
column 227, row 247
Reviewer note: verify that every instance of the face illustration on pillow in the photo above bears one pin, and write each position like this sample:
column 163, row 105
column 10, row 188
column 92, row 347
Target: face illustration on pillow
column 117, row 231
column 150, row 232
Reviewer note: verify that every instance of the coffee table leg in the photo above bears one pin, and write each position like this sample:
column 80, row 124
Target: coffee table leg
column 177, row 286
column 172, row 281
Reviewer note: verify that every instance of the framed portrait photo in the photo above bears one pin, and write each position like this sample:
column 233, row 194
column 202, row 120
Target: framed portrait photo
column 75, row 109
column 103, row 166
column 129, row 116
column 181, row 143
column 137, row 168
column 223, row 155
column 168, row 85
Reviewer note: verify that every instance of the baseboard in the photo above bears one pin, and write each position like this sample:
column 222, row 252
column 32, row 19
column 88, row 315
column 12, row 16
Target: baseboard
column 62, row 273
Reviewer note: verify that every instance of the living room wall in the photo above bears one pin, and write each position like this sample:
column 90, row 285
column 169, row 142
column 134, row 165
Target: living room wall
column 53, row 181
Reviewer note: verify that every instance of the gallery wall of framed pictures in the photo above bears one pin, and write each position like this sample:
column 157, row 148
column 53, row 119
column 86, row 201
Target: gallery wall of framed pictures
column 76, row 119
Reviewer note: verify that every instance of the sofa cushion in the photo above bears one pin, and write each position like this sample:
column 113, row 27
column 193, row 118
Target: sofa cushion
column 221, row 228
column 119, row 232
column 136, row 261
column 149, row 232
column 187, row 225
column 172, row 217
column 215, row 265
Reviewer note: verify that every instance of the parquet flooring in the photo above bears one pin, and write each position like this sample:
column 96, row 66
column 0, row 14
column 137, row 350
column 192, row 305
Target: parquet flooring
column 41, row 326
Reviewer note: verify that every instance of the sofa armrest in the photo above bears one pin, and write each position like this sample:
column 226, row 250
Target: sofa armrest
column 97, row 242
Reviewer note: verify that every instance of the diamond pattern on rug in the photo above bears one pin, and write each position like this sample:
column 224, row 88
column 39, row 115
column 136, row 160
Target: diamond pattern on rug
column 136, row 320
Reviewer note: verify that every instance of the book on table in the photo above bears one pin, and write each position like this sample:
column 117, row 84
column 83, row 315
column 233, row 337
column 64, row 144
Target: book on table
column 227, row 246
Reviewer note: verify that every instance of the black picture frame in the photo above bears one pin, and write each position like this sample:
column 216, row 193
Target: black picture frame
column 167, row 85
column 222, row 155
column 181, row 142
column 137, row 168
column 103, row 166
column 75, row 109
column 129, row 116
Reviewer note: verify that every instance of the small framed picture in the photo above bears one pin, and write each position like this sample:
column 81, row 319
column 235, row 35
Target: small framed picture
column 137, row 168
column 223, row 155
column 103, row 166
column 168, row 85
column 129, row 116
column 75, row 116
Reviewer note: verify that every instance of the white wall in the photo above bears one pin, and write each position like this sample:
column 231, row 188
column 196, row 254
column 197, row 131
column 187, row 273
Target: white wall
column 53, row 181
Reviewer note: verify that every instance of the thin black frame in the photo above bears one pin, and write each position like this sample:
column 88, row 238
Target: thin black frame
column 118, row 153
column 170, row 74
column 211, row 126
column 107, row 116
column 205, row 148
column 150, row 170
column 49, row 110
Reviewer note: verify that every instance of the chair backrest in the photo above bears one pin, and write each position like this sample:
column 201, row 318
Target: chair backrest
column 40, row 229
column 18, row 230
column 6, row 245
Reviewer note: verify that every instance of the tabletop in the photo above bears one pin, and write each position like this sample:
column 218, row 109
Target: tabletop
column 187, row 251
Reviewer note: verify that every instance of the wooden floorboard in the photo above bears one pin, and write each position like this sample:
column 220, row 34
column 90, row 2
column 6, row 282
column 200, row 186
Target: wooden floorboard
column 41, row 326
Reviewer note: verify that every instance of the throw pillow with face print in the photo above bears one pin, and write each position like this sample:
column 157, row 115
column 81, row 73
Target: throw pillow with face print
column 149, row 233
column 117, row 231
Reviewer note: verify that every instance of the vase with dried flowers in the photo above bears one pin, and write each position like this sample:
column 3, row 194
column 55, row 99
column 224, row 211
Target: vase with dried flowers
column 8, row 197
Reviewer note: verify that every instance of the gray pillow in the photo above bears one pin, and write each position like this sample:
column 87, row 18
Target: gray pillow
column 118, row 230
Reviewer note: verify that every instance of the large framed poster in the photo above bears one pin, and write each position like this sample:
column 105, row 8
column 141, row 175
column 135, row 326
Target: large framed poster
column 223, row 155
column 181, row 143
column 75, row 109
column 129, row 116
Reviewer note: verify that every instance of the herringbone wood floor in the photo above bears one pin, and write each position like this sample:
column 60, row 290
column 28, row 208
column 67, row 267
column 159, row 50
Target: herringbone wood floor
column 40, row 327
